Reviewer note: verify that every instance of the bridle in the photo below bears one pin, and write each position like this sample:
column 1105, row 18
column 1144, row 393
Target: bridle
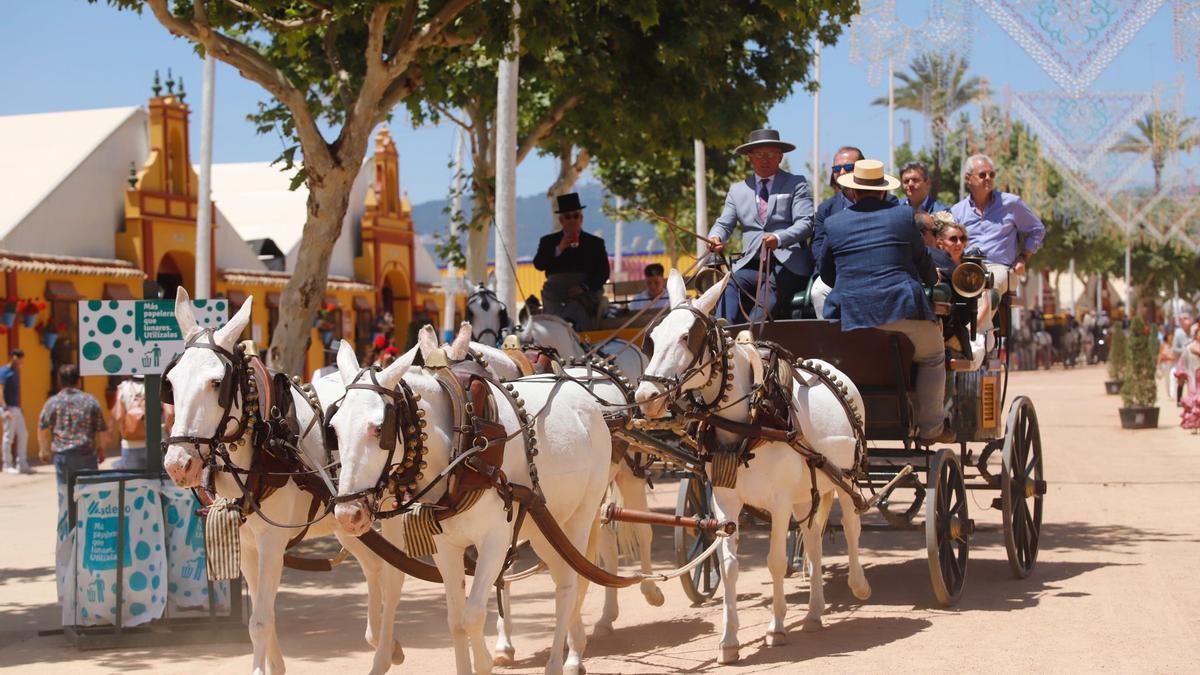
column 403, row 422
column 706, row 338
column 234, row 391
column 486, row 297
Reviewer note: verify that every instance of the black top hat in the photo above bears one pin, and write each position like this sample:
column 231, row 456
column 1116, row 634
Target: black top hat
column 764, row 138
column 569, row 202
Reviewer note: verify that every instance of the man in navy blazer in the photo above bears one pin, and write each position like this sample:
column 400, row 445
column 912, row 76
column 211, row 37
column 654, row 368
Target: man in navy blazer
column 875, row 259
column 775, row 210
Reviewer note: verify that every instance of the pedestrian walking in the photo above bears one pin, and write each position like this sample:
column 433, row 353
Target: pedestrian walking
column 129, row 423
column 70, row 427
column 16, row 436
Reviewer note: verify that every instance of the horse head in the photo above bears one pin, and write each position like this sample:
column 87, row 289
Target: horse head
column 676, row 347
column 202, row 383
column 487, row 314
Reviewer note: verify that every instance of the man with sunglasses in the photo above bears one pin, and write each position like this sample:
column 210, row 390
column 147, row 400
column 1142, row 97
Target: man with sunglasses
column 998, row 223
column 775, row 211
column 576, row 267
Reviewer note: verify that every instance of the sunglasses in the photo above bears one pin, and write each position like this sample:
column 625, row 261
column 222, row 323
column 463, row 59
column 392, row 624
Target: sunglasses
column 840, row 168
column 956, row 240
column 986, row 175
column 573, row 215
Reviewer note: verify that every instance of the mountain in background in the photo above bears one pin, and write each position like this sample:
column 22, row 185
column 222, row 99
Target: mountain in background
column 534, row 221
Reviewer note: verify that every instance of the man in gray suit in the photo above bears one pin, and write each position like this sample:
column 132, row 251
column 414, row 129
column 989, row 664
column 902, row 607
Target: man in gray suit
column 775, row 210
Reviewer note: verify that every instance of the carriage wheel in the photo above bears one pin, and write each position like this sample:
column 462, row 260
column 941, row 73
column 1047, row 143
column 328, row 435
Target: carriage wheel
column 695, row 500
column 1022, row 487
column 948, row 527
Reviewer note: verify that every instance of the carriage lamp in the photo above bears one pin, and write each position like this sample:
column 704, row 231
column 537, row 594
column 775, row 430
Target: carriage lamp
column 970, row 279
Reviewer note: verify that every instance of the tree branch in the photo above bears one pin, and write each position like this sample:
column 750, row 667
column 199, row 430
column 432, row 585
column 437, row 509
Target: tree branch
column 253, row 66
column 399, row 89
column 282, row 25
column 407, row 18
column 443, row 110
column 545, row 126
column 340, row 76
column 428, row 34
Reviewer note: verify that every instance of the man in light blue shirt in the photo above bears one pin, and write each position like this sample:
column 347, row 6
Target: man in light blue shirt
column 998, row 223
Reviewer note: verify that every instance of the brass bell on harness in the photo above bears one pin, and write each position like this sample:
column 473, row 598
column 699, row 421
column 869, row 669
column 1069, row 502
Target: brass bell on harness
column 420, row 412
column 509, row 386
column 424, row 436
column 416, row 397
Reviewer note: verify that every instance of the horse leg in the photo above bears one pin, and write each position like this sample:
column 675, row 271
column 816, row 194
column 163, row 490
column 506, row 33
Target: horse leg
column 811, row 531
column 270, row 544
column 852, row 529
column 388, row 651
column 249, row 562
column 777, row 565
column 489, row 564
column 505, row 652
column 583, row 529
column 607, row 546
column 727, row 505
column 565, row 581
column 633, row 492
column 449, row 560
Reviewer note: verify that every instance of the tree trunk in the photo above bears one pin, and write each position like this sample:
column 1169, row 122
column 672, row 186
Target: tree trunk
column 483, row 171
column 569, row 170
column 328, row 199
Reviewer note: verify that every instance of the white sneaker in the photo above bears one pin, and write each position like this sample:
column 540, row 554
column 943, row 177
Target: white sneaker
column 10, row 469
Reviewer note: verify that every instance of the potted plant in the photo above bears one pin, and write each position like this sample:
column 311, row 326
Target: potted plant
column 29, row 310
column 1138, row 391
column 1116, row 361
column 49, row 332
column 9, row 316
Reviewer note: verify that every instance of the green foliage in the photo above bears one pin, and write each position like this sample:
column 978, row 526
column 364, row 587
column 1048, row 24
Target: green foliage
column 1118, row 353
column 1138, row 389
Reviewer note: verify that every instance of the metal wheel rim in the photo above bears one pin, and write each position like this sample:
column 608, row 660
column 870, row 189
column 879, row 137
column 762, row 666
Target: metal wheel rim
column 700, row 584
column 1022, row 463
column 947, row 501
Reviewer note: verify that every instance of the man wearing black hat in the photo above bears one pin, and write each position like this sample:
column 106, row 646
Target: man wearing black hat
column 576, row 267
column 775, row 210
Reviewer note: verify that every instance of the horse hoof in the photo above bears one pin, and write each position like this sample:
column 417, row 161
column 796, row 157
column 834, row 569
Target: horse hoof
column 728, row 655
column 813, row 624
column 862, row 592
column 574, row 669
column 397, row 653
column 602, row 629
column 505, row 657
column 776, row 638
column 655, row 596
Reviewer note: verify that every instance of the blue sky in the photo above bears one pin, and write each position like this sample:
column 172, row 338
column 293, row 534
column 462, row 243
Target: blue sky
column 70, row 55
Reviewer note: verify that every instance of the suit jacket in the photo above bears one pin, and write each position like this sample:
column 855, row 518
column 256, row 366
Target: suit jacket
column 789, row 217
column 590, row 258
column 827, row 208
column 875, row 259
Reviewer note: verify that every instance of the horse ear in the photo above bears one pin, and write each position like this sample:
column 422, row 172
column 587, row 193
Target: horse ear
column 184, row 314
column 347, row 362
column 427, row 340
column 390, row 376
column 676, row 288
column 228, row 334
column 458, row 349
column 708, row 301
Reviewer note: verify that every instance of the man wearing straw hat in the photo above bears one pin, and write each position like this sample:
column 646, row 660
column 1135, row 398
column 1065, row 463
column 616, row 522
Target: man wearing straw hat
column 775, row 210
column 875, row 259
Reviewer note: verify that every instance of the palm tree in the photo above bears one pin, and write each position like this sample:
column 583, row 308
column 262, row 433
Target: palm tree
column 938, row 86
column 1161, row 134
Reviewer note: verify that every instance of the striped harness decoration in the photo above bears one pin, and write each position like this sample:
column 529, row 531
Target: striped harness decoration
column 222, row 544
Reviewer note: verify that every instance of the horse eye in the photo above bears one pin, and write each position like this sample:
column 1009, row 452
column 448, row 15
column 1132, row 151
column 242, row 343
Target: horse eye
column 378, row 428
column 215, row 384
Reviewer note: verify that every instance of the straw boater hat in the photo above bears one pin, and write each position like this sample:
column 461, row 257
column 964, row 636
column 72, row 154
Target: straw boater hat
column 868, row 175
column 764, row 138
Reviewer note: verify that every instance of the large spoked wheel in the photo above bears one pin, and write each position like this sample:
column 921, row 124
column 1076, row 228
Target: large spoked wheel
column 948, row 527
column 1022, row 487
column 695, row 500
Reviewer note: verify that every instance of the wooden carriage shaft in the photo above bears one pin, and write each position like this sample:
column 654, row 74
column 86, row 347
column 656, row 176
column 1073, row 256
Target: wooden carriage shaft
column 611, row 512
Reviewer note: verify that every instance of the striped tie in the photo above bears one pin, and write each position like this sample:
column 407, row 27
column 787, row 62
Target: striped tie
column 763, row 196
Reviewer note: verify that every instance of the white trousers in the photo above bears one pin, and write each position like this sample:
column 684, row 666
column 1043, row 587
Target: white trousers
column 16, row 437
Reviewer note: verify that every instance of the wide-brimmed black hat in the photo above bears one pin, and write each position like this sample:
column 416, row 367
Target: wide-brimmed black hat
column 569, row 202
column 764, row 138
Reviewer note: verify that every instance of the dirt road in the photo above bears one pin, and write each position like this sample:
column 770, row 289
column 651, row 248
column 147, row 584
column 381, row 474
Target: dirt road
column 1113, row 588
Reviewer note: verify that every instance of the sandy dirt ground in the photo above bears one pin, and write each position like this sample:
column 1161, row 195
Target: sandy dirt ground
column 1113, row 588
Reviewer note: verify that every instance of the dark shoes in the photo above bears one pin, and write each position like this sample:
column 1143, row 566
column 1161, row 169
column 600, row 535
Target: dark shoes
column 947, row 435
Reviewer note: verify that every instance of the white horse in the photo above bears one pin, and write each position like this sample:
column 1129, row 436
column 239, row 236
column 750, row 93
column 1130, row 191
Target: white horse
column 777, row 479
column 488, row 315
column 548, row 330
column 196, row 380
column 631, row 488
column 572, row 464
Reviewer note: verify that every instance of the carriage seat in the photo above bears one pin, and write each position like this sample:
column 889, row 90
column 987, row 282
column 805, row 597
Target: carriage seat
column 879, row 363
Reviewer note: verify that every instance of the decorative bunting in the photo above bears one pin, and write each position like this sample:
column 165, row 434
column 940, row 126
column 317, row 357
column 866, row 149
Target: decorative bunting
column 1187, row 30
column 1079, row 130
column 877, row 35
column 1072, row 40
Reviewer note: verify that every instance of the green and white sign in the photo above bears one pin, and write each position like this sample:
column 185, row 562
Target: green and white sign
column 137, row 337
